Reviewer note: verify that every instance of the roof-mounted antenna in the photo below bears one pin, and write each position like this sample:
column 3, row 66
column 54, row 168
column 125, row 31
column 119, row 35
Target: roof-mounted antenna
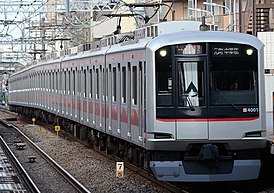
column 203, row 26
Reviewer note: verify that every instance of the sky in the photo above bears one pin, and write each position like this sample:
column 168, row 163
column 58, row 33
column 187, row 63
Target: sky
column 15, row 18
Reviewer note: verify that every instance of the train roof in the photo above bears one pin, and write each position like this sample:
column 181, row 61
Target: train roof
column 204, row 36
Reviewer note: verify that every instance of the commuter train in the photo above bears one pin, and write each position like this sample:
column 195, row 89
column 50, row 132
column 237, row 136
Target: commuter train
column 187, row 105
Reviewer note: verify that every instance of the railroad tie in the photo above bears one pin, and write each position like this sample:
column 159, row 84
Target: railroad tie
column 32, row 158
column 20, row 146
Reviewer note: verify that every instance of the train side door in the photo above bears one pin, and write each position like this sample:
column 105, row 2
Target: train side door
column 72, row 94
column 83, row 93
column 108, row 98
column 78, row 94
column 75, row 95
column 101, row 98
column 98, row 97
column 190, row 101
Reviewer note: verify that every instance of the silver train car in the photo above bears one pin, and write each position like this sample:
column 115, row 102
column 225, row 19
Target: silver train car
column 186, row 105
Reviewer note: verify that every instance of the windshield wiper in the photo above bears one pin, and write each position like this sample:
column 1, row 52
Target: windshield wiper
column 227, row 100
column 186, row 97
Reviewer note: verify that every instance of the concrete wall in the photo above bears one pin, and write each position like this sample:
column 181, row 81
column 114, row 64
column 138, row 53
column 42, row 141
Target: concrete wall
column 268, row 39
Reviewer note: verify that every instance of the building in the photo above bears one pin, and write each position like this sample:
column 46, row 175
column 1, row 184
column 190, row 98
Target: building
column 246, row 16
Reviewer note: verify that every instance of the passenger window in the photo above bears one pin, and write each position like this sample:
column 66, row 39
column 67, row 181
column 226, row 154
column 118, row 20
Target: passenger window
column 106, row 85
column 91, row 83
column 97, row 84
column 57, row 82
column 65, row 82
column 73, row 82
column 85, row 83
column 134, row 85
column 114, row 82
column 69, row 82
column 124, row 85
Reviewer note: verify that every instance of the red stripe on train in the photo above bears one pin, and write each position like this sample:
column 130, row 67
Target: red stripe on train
column 209, row 119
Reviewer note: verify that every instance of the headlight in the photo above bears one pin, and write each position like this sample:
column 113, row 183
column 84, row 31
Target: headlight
column 249, row 52
column 163, row 53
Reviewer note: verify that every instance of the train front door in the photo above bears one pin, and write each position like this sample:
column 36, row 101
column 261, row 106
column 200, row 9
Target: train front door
column 190, row 98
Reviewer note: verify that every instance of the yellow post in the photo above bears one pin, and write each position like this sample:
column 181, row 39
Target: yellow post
column 57, row 129
column 33, row 121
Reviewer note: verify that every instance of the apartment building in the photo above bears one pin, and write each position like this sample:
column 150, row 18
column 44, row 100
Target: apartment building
column 245, row 16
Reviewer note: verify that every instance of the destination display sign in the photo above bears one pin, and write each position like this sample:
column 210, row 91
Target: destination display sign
column 190, row 49
column 225, row 51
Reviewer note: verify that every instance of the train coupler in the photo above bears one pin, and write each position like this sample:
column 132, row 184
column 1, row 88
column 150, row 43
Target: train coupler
column 209, row 152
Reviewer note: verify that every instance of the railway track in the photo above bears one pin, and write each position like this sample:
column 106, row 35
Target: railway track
column 10, row 178
column 23, row 142
column 69, row 178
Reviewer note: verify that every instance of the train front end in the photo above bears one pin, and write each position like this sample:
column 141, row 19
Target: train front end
column 205, row 106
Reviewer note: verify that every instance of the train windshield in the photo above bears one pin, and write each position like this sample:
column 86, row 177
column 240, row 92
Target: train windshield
column 233, row 75
column 205, row 75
